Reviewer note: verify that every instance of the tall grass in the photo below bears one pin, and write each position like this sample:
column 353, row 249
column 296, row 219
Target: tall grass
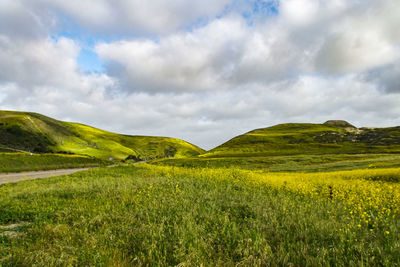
column 164, row 216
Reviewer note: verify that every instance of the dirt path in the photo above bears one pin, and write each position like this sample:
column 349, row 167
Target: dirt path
column 21, row 176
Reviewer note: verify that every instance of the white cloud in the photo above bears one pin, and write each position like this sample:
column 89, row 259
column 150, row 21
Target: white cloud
column 386, row 77
column 182, row 61
column 316, row 60
column 136, row 16
column 299, row 12
column 21, row 19
column 222, row 55
column 228, row 52
column 38, row 61
column 364, row 37
column 356, row 51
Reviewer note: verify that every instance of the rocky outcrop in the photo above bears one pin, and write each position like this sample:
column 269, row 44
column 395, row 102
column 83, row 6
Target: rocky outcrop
column 340, row 123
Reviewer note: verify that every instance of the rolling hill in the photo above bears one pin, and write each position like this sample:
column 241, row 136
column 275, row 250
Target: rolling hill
column 332, row 137
column 32, row 132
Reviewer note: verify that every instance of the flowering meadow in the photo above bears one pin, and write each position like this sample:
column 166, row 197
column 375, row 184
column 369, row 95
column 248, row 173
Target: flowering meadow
column 149, row 215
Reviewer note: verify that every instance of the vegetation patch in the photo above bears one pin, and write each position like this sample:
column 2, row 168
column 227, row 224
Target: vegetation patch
column 162, row 216
column 18, row 162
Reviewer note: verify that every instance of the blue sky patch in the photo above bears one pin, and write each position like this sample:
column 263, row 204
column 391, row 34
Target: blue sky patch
column 89, row 61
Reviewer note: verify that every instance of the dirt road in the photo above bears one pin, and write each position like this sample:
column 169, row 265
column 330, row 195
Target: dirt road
column 21, row 176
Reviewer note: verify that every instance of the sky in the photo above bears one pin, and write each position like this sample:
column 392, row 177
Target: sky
column 201, row 70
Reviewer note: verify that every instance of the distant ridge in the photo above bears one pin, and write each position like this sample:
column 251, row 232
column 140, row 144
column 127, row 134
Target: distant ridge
column 331, row 137
column 33, row 132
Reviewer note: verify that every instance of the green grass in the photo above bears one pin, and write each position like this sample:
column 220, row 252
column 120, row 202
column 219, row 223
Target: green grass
column 32, row 132
column 264, row 198
column 18, row 162
column 309, row 139
column 164, row 216
column 295, row 163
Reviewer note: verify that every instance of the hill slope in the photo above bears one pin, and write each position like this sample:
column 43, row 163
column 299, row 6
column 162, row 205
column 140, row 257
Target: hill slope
column 37, row 133
column 332, row 137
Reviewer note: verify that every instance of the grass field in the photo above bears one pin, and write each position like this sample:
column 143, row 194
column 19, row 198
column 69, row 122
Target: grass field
column 295, row 163
column 162, row 216
column 18, row 162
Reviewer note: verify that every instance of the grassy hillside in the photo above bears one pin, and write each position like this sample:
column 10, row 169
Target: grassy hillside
column 163, row 216
column 23, row 131
column 310, row 139
column 18, row 162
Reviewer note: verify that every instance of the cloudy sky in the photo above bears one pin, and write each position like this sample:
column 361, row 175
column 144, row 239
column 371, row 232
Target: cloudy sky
column 201, row 70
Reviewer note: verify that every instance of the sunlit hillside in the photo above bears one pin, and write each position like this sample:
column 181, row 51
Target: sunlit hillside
column 333, row 137
column 32, row 132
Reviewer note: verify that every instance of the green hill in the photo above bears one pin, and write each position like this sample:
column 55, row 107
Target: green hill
column 32, row 132
column 332, row 137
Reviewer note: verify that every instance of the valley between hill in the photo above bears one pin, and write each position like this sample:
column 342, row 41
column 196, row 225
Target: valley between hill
column 288, row 195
